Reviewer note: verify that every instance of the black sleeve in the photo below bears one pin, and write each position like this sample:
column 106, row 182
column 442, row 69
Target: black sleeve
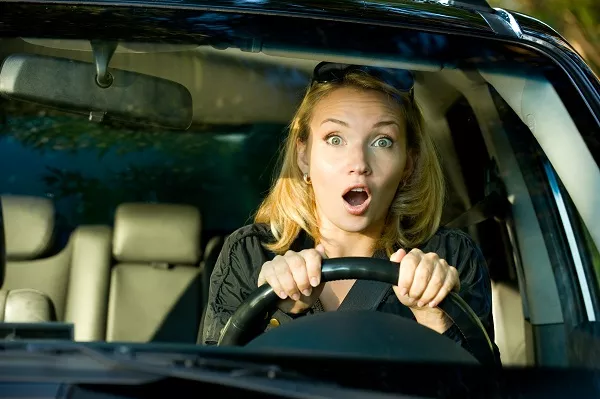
column 234, row 277
column 460, row 251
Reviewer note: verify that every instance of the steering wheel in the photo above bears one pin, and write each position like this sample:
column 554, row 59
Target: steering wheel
column 310, row 332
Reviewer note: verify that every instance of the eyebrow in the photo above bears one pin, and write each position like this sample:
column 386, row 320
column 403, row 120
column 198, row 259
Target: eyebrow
column 378, row 124
column 386, row 123
column 339, row 122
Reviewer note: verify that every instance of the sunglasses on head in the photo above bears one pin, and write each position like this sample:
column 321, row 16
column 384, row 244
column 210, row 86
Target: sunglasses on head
column 401, row 79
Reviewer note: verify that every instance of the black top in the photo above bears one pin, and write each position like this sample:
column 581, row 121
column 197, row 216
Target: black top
column 236, row 271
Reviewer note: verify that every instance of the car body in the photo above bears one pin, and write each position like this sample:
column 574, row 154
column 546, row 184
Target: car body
column 514, row 111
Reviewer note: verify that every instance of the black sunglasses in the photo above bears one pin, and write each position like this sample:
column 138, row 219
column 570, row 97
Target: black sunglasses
column 401, row 79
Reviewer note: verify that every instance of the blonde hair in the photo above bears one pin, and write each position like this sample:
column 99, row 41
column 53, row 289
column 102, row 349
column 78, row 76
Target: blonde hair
column 415, row 212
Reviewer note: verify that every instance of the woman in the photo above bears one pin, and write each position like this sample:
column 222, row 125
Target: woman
column 359, row 177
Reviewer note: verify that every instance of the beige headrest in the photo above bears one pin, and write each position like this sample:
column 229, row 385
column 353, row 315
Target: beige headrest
column 157, row 233
column 28, row 226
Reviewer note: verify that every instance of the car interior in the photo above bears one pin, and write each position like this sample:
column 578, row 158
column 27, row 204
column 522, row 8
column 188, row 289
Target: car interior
column 141, row 275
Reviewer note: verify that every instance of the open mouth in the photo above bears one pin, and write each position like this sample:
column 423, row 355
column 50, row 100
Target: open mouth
column 357, row 200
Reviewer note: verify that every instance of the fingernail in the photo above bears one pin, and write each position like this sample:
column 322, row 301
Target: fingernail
column 295, row 297
column 403, row 291
column 420, row 304
column 432, row 304
column 282, row 295
column 314, row 281
column 307, row 292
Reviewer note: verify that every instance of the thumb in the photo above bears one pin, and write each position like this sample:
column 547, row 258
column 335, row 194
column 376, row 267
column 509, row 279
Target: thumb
column 321, row 250
column 398, row 255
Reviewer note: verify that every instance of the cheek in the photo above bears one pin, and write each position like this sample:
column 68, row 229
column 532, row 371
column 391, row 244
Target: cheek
column 391, row 169
column 389, row 163
column 325, row 170
column 324, row 162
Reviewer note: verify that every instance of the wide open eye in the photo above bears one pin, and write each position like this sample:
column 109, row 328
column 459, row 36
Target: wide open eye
column 334, row 140
column 383, row 142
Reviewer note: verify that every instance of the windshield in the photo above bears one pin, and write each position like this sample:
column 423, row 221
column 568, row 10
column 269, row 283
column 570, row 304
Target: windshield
column 132, row 172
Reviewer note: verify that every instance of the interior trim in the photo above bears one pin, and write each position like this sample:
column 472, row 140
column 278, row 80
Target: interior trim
column 541, row 303
column 574, row 249
column 538, row 105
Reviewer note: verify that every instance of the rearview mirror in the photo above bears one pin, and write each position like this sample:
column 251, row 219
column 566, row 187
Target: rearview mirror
column 72, row 86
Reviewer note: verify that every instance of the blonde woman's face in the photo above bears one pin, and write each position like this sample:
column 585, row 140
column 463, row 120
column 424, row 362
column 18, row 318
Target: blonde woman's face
column 356, row 157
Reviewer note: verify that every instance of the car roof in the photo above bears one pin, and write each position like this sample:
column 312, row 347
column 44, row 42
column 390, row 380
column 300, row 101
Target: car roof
column 464, row 17
column 471, row 14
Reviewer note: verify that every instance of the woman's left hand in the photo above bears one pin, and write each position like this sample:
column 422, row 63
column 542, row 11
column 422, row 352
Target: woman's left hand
column 424, row 281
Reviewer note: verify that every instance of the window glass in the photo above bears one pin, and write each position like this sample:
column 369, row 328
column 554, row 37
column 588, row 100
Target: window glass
column 246, row 75
column 89, row 169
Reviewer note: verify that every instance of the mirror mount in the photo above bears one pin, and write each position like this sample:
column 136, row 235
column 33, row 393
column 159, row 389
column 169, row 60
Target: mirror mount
column 103, row 53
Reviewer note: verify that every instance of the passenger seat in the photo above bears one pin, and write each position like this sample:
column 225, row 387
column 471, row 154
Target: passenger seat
column 25, row 306
column 75, row 278
column 509, row 324
column 155, row 288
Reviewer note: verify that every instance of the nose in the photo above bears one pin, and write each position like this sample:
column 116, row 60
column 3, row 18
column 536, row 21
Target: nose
column 358, row 162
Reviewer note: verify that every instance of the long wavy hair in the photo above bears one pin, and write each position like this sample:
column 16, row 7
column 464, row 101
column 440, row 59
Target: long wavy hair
column 415, row 212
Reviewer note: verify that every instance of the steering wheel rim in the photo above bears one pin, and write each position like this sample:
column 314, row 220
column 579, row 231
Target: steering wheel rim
column 253, row 309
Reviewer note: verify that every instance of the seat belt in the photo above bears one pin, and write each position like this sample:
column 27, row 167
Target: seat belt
column 494, row 204
column 365, row 295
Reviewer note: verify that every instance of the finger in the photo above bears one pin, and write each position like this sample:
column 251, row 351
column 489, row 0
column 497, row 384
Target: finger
column 405, row 300
column 398, row 255
column 261, row 278
column 298, row 267
column 313, row 259
column 271, row 279
column 436, row 282
column 451, row 282
column 321, row 250
column 265, row 267
column 408, row 266
column 313, row 264
column 286, row 278
column 423, row 274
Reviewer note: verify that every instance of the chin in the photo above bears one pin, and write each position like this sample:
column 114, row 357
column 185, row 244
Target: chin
column 354, row 224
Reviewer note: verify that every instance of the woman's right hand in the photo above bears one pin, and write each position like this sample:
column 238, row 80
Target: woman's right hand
column 295, row 277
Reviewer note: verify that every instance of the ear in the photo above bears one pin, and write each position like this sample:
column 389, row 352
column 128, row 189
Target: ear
column 302, row 152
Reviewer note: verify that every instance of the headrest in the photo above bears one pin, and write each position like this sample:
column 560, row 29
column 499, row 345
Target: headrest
column 157, row 233
column 28, row 226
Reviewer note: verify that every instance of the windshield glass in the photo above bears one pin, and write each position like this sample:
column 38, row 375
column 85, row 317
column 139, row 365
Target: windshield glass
column 146, row 182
